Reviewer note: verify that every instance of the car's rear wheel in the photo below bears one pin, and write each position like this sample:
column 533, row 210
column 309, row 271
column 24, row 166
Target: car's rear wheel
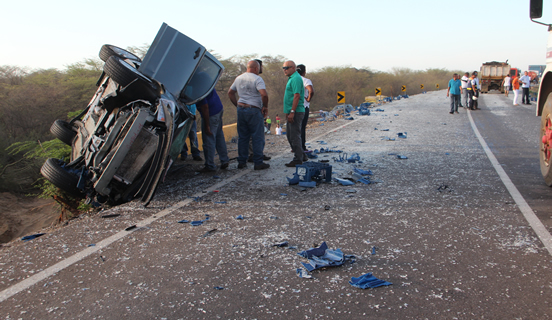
column 59, row 177
column 63, row 131
column 108, row 50
column 125, row 75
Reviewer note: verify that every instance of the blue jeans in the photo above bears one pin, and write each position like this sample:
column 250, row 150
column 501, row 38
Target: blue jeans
column 454, row 102
column 214, row 142
column 193, row 143
column 250, row 126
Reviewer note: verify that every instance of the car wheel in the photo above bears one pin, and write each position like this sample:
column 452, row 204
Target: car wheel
column 108, row 50
column 125, row 74
column 61, row 178
column 63, row 131
column 546, row 141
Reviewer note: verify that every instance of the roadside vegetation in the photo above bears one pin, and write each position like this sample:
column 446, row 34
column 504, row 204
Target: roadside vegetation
column 31, row 100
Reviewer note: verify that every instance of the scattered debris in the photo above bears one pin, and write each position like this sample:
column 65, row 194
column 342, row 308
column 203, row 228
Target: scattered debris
column 401, row 157
column 208, row 233
column 218, row 288
column 31, row 237
column 131, row 228
column 111, row 215
column 344, row 182
column 368, row 281
column 281, row 244
column 240, row 217
column 199, row 222
column 302, row 273
column 326, row 207
column 183, row 221
column 323, row 257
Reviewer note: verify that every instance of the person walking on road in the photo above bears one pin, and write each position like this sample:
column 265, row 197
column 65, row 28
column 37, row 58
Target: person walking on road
column 309, row 93
column 252, row 108
column 211, row 131
column 506, row 83
column 465, row 80
column 515, row 89
column 525, row 84
column 294, row 111
column 455, row 90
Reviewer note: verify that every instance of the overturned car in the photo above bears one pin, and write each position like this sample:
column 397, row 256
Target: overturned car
column 135, row 125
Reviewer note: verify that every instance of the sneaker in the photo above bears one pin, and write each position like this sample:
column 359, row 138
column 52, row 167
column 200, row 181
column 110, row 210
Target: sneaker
column 451, row 112
column 224, row 166
column 242, row 165
column 197, row 158
column 206, row 170
column 293, row 163
column 261, row 166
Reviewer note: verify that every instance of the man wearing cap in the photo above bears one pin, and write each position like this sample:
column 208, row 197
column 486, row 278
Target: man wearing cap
column 472, row 92
column 309, row 93
column 252, row 108
column 294, row 111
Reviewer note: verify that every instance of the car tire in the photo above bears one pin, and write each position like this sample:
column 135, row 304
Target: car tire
column 63, row 131
column 59, row 177
column 124, row 74
column 108, row 50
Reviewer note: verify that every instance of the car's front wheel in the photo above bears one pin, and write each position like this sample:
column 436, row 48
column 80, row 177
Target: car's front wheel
column 61, row 178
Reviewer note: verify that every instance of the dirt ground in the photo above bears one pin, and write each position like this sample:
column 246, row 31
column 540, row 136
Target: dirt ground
column 20, row 215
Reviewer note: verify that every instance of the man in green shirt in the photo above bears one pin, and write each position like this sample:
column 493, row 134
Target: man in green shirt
column 294, row 111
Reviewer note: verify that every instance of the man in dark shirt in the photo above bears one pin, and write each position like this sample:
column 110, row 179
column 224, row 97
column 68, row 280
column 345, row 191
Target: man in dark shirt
column 211, row 110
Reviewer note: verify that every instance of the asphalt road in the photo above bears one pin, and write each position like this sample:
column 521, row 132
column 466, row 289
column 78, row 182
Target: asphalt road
column 513, row 134
column 440, row 226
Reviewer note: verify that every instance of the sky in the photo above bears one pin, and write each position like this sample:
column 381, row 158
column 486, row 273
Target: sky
column 379, row 35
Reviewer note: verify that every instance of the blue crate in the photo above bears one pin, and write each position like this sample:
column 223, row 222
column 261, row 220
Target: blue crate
column 316, row 171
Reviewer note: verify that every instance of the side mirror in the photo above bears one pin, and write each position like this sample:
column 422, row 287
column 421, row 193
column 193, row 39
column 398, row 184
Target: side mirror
column 535, row 10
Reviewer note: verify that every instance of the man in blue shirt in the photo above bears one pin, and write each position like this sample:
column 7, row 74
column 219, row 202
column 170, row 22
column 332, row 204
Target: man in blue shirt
column 211, row 132
column 455, row 90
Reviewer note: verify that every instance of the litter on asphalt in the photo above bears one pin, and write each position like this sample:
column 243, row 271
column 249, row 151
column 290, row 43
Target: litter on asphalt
column 368, row 281
column 323, row 257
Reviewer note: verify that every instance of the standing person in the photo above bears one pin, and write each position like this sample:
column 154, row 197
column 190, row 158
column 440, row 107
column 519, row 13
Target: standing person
column 526, row 83
column 455, row 90
column 309, row 93
column 252, row 108
column 265, row 157
column 277, row 119
column 294, row 111
column 506, row 83
column 465, row 80
column 472, row 92
column 515, row 88
column 211, row 110
column 268, row 123
column 192, row 135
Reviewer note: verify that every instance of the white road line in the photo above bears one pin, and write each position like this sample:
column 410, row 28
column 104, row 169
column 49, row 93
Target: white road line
column 525, row 209
column 52, row 270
